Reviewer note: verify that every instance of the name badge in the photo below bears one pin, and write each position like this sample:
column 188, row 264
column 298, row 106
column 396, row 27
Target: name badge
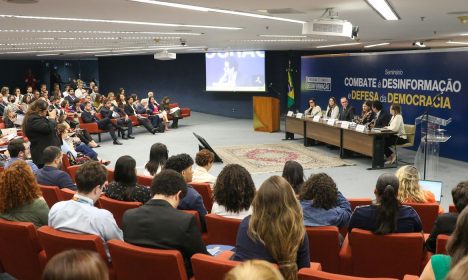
column 331, row 121
column 299, row 115
column 344, row 124
column 290, row 114
column 360, row 128
column 316, row 119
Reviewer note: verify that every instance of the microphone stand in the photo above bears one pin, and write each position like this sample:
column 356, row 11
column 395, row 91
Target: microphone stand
column 426, row 116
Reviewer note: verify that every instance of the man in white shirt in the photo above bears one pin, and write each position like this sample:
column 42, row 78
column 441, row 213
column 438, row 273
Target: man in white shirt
column 204, row 160
column 79, row 215
column 80, row 91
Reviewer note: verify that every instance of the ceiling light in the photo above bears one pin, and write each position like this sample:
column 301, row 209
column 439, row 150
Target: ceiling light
column 114, row 54
column 48, row 54
column 281, row 40
column 419, row 44
column 98, row 32
column 121, row 22
column 337, row 45
column 282, row 36
column 457, row 43
column 376, row 45
column 384, row 9
column 205, row 9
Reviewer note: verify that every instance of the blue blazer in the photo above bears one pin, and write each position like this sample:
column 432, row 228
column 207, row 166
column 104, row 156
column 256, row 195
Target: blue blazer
column 51, row 176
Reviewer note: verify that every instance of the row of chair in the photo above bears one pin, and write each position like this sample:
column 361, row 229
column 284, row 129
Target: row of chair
column 29, row 248
column 93, row 128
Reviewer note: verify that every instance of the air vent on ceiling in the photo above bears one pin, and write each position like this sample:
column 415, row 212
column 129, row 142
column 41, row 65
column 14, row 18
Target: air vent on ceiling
column 282, row 11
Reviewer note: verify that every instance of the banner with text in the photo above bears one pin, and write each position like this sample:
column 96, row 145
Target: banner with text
column 437, row 81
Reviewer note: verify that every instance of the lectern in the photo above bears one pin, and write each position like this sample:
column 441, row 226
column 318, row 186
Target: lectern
column 266, row 113
column 427, row 156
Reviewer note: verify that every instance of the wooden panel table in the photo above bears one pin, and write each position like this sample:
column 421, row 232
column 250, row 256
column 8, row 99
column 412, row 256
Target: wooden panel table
column 367, row 143
column 323, row 132
column 294, row 125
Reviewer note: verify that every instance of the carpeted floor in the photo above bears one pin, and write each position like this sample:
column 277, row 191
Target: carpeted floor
column 261, row 158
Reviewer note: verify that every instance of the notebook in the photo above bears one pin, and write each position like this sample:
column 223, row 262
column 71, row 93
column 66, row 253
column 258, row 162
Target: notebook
column 434, row 186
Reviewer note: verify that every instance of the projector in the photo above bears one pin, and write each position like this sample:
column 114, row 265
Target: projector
column 328, row 27
column 164, row 55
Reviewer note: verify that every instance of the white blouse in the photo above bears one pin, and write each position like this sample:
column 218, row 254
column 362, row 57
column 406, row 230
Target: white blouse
column 397, row 125
column 221, row 211
column 335, row 112
column 316, row 111
column 201, row 175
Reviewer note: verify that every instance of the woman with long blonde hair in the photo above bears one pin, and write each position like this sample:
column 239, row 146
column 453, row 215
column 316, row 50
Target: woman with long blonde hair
column 410, row 191
column 275, row 230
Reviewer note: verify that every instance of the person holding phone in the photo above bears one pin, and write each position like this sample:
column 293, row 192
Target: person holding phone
column 39, row 125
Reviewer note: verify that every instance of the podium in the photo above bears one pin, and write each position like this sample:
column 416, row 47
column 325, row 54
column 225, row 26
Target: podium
column 266, row 113
column 427, row 156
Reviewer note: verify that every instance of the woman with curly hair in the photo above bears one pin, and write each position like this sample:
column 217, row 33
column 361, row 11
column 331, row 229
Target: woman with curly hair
column 275, row 231
column 410, row 191
column 322, row 203
column 20, row 196
column 233, row 192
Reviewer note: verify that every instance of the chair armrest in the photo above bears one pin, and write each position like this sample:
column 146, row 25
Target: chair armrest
column 410, row 277
column 346, row 262
column 226, row 255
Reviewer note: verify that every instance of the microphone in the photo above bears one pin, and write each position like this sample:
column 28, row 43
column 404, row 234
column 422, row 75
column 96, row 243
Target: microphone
column 270, row 85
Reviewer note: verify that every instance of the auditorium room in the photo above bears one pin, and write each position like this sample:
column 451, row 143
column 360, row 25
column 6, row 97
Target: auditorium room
column 233, row 140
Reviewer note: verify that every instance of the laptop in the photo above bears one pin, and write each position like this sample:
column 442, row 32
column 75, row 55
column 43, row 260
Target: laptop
column 434, row 186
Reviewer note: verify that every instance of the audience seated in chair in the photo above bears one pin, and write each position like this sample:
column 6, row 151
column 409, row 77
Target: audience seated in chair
column 409, row 190
column 458, row 271
column 233, row 192
column 125, row 187
column 275, row 231
column 388, row 215
column 79, row 215
column 204, row 160
column 158, row 224
column 76, row 265
column 174, row 113
column 130, row 110
column 157, row 159
column 89, row 116
column 293, row 172
column 253, row 270
column 112, row 112
column 445, row 223
column 20, row 196
column 322, row 203
column 183, row 163
column 52, row 174
column 18, row 151
column 457, row 248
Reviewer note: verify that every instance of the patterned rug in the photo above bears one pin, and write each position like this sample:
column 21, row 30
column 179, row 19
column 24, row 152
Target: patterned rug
column 265, row 158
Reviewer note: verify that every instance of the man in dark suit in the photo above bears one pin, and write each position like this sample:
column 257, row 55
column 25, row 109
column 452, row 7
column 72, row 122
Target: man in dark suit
column 109, row 111
column 183, row 163
column 158, row 224
column 70, row 97
column 382, row 118
column 347, row 111
column 51, row 174
column 445, row 223
column 89, row 116
column 130, row 110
